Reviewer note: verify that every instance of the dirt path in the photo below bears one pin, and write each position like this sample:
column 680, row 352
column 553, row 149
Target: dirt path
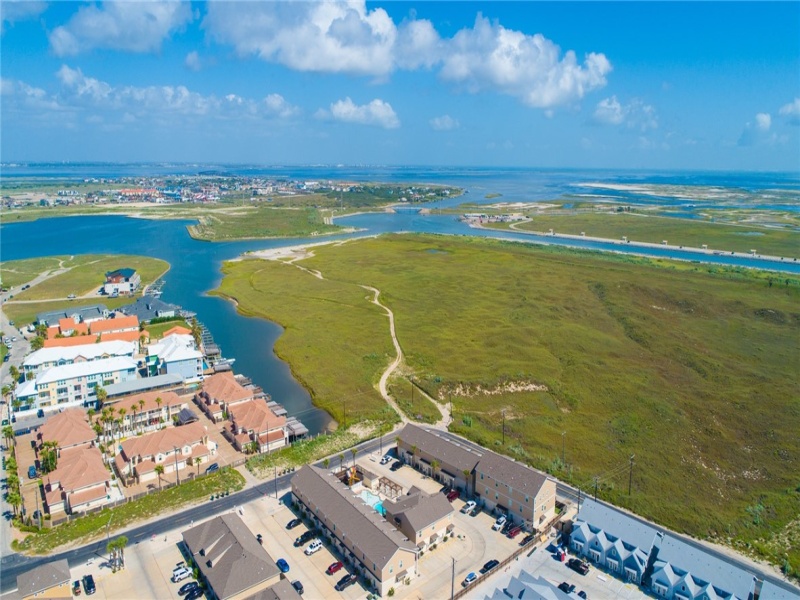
column 398, row 360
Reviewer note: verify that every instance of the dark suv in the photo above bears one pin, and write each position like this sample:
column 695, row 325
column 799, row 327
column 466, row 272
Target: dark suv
column 88, row 585
column 304, row 538
column 346, row 581
column 578, row 566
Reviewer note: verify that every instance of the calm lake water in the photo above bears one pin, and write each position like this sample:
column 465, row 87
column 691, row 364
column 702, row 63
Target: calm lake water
column 195, row 265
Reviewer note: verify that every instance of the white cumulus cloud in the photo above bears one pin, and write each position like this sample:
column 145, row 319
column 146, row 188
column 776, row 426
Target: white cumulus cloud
column 763, row 121
column 529, row 67
column 444, row 123
column 344, row 36
column 791, row 111
column 128, row 26
column 377, row 112
column 12, row 12
column 634, row 115
column 328, row 37
column 277, row 105
column 192, row 61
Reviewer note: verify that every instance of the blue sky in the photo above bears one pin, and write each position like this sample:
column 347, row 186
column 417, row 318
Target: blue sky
column 669, row 85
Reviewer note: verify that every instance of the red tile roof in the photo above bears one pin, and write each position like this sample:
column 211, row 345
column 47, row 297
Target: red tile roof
column 125, row 336
column 127, row 402
column 68, row 428
column 104, row 325
column 177, row 330
column 78, row 340
column 163, row 441
column 224, row 388
column 255, row 415
column 79, row 468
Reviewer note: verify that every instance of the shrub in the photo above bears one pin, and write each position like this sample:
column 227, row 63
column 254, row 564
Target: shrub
column 391, row 592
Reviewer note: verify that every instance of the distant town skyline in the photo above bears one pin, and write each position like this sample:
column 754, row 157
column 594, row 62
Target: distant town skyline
column 652, row 85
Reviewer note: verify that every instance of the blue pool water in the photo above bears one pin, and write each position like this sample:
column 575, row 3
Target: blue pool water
column 372, row 500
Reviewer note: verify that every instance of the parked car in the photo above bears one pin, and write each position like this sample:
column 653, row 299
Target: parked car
column 469, row 579
column 313, row 547
column 334, row 568
column 306, row 537
column 194, row 594
column 385, row 459
column 514, row 531
column 566, row 587
column 527, row 540
column 212, row 468
column 188, row 587
column 489, row 566
column 579, row 566
column 396, row 466
column 282, row 565
column 293, row 523
column 583, row 595
column 180, row 573
column 88, row 585
column 452, row 495
column 498, row 524
column 475, row 511
column 76, row 588
column 31, row 472
column 298, row 587
column 345, row 582
column 468, row 506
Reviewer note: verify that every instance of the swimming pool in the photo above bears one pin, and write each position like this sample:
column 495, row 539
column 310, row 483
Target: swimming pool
column 372, row 500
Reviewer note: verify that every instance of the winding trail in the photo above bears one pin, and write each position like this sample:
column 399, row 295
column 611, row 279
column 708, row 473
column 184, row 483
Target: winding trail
column 398, row 360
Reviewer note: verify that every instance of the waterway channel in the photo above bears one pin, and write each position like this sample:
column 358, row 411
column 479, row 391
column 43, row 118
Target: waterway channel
column 195, row 269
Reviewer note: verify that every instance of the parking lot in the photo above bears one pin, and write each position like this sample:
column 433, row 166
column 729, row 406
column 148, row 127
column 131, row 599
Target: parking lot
column 543, row 563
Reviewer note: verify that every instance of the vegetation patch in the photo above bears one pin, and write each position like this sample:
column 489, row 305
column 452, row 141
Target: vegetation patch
column 85, row 529
column 677, row 364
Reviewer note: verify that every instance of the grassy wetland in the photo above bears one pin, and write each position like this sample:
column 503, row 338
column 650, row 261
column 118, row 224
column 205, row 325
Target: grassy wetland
column 691, row 368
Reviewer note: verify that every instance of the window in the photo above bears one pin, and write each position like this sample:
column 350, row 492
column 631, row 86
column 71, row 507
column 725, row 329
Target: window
column 401, row 564
column 526, row 499
column 61, row 391
column 391, row 570
column 62, row 382
column 481, row 476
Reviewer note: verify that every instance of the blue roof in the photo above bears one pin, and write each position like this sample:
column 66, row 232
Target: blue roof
column 770, row 591
column 703, row 565
column 618, row 524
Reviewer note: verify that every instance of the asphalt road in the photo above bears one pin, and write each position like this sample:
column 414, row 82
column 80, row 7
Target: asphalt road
column 13, row 565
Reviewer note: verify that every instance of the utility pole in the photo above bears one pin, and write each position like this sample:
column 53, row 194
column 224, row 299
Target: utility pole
column 596, row 478
column 563, row 447
column 504, row 426
column 453, row 581
column 630, row 476
column 177, row 476
column 276, row 482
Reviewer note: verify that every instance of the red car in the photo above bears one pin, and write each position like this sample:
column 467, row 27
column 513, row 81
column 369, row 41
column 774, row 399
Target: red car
column 452, row 495
column 334, row 568
column 514, row 531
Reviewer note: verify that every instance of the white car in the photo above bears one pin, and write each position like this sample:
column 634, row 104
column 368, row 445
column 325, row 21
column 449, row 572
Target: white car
column 468, row 507
column 180, row 574
column 385, row 459
column 498, row 525
column 313, row 547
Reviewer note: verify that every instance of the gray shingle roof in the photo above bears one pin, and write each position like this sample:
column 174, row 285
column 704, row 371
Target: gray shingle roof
column 530, row 587
column 238, row 561
column 133, row 386
column 517, row 475
column 616, row 523
column 282, row 590
column 148, row 308
column 702, row 565
column 93, row 311
column 430, row 442
column 420, row 509
column 366, row 531
column 43, row 578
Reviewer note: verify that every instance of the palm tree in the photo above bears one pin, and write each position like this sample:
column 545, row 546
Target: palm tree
column 159, row 472
column 158, row 404
column 326, row 463
column 14, row 372
column 8, row 433
column 414, row 455
column 141, row 409
column 354, row 451
column 101, row 394
column 49, row 456
column 14, row 499
column 341, row 460
column 435, row 464
column 467, row 474
column 121, row 420
column 91, row 413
